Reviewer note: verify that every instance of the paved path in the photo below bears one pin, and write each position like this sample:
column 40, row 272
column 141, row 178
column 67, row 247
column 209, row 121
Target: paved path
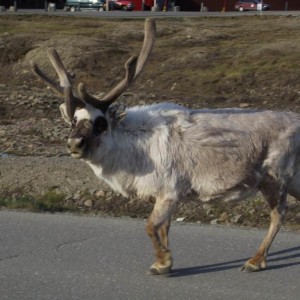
column 146, row 14
column 44, row 256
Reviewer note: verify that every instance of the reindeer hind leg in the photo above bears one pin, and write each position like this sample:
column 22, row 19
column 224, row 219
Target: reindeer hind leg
column 276, row 198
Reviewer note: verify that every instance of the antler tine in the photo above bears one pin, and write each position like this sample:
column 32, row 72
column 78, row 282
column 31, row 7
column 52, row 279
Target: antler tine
column 71, row 102
column 133, row 68
column 59, row 68
column 65, row 86
column 48, row 81
column 149, row 39
column 110, row 97
column 70, row 99
column 130, row 67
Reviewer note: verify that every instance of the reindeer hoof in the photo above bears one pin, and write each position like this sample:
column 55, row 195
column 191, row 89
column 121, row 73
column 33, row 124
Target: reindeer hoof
column 253, row 266
column 158, row 269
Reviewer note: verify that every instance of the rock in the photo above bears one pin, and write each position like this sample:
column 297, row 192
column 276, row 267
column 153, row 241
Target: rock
column 214, row 222
column 224, row 217
column 236, row 219
column 244, row 105
column 180, row 219
column 88, row 203
column 76, row 196
column 100, row 193
column 206, row 206
column 173, row 86
column 252, row 211
column 109, row 194
column 209, row 212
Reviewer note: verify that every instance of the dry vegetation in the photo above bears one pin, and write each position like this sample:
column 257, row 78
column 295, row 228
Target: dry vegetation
column 199, row 62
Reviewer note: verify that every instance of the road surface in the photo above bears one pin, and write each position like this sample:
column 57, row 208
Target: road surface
column 146, row 14
column 59, row 256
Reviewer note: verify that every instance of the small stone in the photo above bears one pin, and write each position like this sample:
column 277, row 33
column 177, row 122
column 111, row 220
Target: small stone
column 76, row 196
column 173, row 86
column 236, row 219
column 88, row 203
column 244, row 105
column 252, row 211
column 224, row 217
column 100, row 193
column 206, row 206
column 214, row 222
column 209, row 212
column 180, row 219
column 109, row 194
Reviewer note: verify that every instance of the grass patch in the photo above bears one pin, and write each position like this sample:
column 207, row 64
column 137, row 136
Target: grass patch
column 51, row 201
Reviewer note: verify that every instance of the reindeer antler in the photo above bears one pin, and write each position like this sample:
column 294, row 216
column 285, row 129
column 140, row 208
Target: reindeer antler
column 149, row 39
column 103, row 104
column 65, row 86
column 133, row 68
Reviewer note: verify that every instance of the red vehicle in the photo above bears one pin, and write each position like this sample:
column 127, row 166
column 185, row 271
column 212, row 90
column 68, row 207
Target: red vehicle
column 242, row 5
column 148, row 4
column 121, row 4
column 162, row 4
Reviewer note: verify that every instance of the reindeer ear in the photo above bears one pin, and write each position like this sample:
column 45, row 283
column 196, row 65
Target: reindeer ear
column 63, row 111
column 116, row 113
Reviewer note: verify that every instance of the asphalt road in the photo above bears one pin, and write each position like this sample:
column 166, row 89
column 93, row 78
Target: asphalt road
column 145, row 14
column 56, row 256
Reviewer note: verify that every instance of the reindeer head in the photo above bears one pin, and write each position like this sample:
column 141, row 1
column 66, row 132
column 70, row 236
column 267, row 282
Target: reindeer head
column 88, row 116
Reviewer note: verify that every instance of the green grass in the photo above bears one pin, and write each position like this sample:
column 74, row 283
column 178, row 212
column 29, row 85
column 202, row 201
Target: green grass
column 50, row 201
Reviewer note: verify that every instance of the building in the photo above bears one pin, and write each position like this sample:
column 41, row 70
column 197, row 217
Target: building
column 228, row 5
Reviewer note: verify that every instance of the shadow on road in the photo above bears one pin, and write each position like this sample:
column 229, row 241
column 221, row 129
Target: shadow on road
column 278, row 256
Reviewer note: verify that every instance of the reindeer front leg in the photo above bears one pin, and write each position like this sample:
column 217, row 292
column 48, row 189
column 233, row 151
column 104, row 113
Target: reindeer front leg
column 158, row 225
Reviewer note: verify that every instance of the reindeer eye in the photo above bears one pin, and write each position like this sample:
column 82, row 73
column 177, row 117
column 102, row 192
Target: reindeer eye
column 100, row 125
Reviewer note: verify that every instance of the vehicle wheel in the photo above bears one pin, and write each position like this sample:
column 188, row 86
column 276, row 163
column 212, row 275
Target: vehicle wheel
column 241, row 8
column 124, row 7
column 72, row 9
column 101, row 9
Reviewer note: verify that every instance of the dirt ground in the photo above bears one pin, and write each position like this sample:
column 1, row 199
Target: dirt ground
column 198, row 62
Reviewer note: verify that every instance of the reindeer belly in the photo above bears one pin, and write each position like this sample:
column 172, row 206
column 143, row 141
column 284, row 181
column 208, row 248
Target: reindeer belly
column 226, row 183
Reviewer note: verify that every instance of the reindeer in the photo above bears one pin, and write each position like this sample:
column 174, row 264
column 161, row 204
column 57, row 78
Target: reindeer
column 167, row 151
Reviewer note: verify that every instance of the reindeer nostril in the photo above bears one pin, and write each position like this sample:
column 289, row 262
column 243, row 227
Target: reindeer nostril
column 81, row 143
column 74, row 143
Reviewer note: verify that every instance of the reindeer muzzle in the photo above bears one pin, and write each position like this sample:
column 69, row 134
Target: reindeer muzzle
column 77, row 146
